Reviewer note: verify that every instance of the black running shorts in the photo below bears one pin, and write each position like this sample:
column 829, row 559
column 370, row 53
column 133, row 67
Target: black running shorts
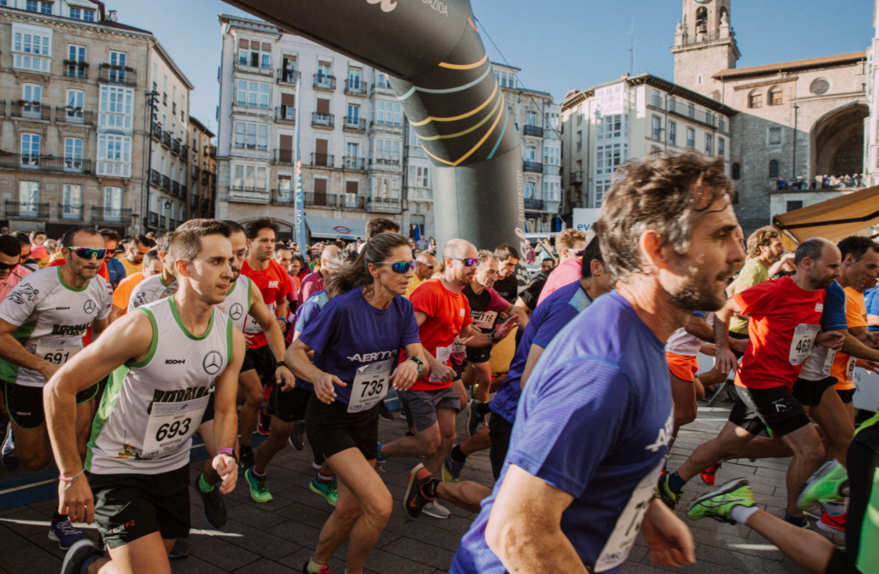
column 479, row 354
column 288, row 406
column 332, row 429
column 775, row 408
column 131, row 506
column 809, row 393
column 25, row 404
column 263, row 361
column 847, row 396
column 500, row 431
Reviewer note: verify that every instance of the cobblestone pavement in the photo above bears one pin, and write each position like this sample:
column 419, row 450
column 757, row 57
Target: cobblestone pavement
column 278, row 537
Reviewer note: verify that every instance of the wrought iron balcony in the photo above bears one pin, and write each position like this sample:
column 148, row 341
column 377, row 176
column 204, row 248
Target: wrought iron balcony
column 322, row 160
column 182, row 191
column 184, row 153
column 166, row 183
column 243, row 194
column 354, row 163
column 155, row 178
column 31, row 111
column 286, row 114
column 326, row 121
column 175, row 146
column 70, row 211
column 357, row 88
column 532, row 167
column 285, row 156
column 355, row 125
column 531, row 203
column 166, row 139
column 117, row 75
column 534, row 131
column 157, row 131
column 577, row 177
column 384, row 204
column 46, row 164
column 175, row 188
column 74, row 116
column 76, row 69
column 325, row 82
column 27, row 210
column 287, row 76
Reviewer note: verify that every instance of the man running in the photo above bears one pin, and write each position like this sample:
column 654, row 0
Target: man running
column 115, row 269
column 156, row 286
column 11, row 271
column 507, row 284
column 425, row 263
column 168, row 354
column 570, row 244
column 42, row 323
column 152, row 265
column 137, row 248
column 314, row 281
column 594, row 420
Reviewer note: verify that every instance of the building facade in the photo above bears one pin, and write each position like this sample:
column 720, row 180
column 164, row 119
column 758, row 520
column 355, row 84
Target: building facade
column 203, row 171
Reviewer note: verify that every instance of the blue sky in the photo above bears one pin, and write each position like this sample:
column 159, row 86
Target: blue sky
column 559, row 44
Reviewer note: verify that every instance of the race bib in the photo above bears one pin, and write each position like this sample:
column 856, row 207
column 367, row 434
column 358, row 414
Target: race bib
column 850, row 369
column 458, row 348
column 251, row 326
column 828, row 362
column 801, row 344
column 621, row 540
column 485, row 320
column 442, row 357
column 171, row 425
column 58, row 350
column 370, row 385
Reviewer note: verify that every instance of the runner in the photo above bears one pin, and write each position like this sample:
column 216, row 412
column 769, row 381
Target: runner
column 784, row 324
column 351, row 375
column 156, row 286
column 431, row 404
column 42, row 322
column 507, row 284
column 137, row 248
column 425, row 263
column 570, row 244
column 11, row 272
column 531, row 294
column 594, row 420
column 152, row 265
column 314, row 281
column 259, row 361
column 115, row 269
column 169, row 354
column 378, row 225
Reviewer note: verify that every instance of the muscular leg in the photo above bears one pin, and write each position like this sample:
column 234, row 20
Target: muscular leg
column 424, row 443
column 808, row 549
column 147, row 554
column 483, row 378
column 763, row 447
column 462, row 393
column 32, row 446
column 683, row 393
column 273, row 444
column 477, row 442
column 446, row 421
column 248, row 383
column 808, row 456
column 466, row 494
column 732, row 438
column 834, row 419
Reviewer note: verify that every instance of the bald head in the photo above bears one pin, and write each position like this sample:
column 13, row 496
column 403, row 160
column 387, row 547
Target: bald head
column 818, row 261
column 459, row 248
column 327, row 254
column 815, row 249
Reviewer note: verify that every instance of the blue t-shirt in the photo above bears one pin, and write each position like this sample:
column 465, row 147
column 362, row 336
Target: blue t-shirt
column 350, row 333
column 871, row 298
column 547, row 320
column 595, row 421
column 833, row 315
column 115, row 271
column 305, row 315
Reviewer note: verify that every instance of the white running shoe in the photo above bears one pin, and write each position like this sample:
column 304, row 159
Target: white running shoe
column 436, row 510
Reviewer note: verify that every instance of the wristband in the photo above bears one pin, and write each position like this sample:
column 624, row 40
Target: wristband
column 280, row 364
column 228, row 452
column 72, row 479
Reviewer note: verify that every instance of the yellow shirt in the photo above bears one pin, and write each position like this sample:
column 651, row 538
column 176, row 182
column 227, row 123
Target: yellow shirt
column 413, row 284
column 130, row 268
column 855, row 316
column 753, row 273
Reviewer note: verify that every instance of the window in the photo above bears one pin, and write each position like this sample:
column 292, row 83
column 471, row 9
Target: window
column 381, row 80
column 531, row 154
column 76, row 54
column 579, row 115
column 28, row 198
column 353, row 117
column 691, row 111
column 114, row 155
column 774, row 136
column 75, row 99
column 174, row 101
column 531, row 119
column 720, row 124
column 654, row 150
column 285, row 187
column 691, row 138
column 251, row 136
column 612, row 126
column 352, row 151
column 37, row 6
column 255, row 54
column 113, row 204
column 249, row 177
column 656, row 129
column 671, row 105
column 32, row 94
column 672, row 133
column 736, row 171
column 115, row 110
column 354, row 78
column 118, row 61
column 755, row 99
column 655, row 99
column 387, row 152
column 708, row 119
column 324, row 70
column 419, row 176
column 776, row 97
column 600, row 188
column 551, row 155
column 551, row 190
column 71, row 202
column 82, row 14
column 31, row 47
column 773, row 168
column 794, row 205
column 253, row 94
column 165, row 91
column 721, row 147
column 610, row 157
column 709, row 145
column 579, row 141
column 699, row 80
column 387, row 113
column 30, row 150
column 72, row 154
column 529, row 189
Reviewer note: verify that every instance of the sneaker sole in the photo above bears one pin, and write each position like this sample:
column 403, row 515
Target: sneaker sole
column 54, row 537
column 409, row 483
column 432, row 515
column 727, row 488
column 316, row 490
column 204, row 512
column 448, row 476
column 829, row 528
column 825, row 469
column 81, row 552
column 247, row 478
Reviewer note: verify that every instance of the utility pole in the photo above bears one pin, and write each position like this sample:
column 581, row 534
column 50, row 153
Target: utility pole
column 631, row 51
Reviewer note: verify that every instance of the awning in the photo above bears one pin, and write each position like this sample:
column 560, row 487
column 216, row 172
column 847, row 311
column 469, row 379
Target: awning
column 330, row 228
column 834, row 219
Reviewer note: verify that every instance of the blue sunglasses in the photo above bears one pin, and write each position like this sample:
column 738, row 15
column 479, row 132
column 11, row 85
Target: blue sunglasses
column 398, row 267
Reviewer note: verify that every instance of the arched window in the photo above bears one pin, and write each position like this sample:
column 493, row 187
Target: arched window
column 773, row 168
column 701, row 18
column 776, row 96
column 755, row 99
column 736, row 171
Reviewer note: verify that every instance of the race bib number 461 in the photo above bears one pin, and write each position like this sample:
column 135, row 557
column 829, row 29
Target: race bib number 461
column 801, row 344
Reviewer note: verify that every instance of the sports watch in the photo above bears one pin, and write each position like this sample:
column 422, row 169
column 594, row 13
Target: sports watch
column 417, row 362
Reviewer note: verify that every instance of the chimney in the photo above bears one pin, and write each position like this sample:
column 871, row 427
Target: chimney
column 111, row 16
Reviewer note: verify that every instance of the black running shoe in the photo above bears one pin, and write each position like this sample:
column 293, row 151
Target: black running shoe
column 180, row 550
column 246, row 460
column 297, row 438
column 214, row 507
column 385, row 413
column 415, row 498
column 473, row 418
column 81, row 551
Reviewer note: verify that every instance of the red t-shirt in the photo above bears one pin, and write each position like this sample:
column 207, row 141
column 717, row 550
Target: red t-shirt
column 274, row 284
column 784, row 321
column 447, row 314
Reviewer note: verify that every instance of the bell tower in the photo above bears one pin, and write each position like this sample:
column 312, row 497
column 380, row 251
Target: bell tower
column 704, row 45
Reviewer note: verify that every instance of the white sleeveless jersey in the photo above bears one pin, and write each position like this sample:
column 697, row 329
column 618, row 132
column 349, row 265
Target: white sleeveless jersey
column 237, row 303
column 150, row 289
column 52, row 319
column 151, row 408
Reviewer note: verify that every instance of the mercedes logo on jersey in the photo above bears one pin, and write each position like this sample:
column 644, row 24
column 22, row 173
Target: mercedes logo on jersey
column 236, row 311
column 90, row 307
column 212, row 363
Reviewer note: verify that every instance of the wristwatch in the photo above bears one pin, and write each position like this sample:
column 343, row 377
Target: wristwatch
column 280, row 364
column 417, row 362
column 491, row 336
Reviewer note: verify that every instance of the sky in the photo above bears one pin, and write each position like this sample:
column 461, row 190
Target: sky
column 559, row 44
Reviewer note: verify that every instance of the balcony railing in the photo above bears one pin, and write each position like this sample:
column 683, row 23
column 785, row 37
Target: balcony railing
column 285, row 114
column 73, row 116
column 182, row 191
column 385, row 204
column 384, row 162
column 166, row 139
column 3, row 108
column 205, row 177
column 282, row 197
column 531, row 203
column 175, row 146
column 354, row 163
column 117, row 75
column 77, row 70
column 532, row 167
column 175, row 188
column 163, row 222
column 534, row 131
column 242, row 194
column 325, row 82
column 577, row 177
column 285, row 156
column 166, row 183
column 322, row 160
column 29, row 210
column 253, row 105
column 155, row 178
column 46, row 164
column 193, row 200
column 355, row 88
column 31, row 111
column 70, row 211
column 153, row 220
column 382, row 87
column 355, row 125
column 335, row 200
column 157, row 132
column 326, row 121
column 184, row 153
column 287, row 76
column 394, row 127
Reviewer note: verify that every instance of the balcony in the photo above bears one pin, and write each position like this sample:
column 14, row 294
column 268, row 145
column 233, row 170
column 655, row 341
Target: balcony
column 286, row 114
column 339, row 201
column 282, row 197
column 163, row 222
column 354, row 163
column 3, row 108
column 325, row 121
column 419, row 194
column 175, row 188
column 242, row 194
column 31, row 111
column 537, row 204
column 284, row 156
column 117, row 75
column 385, row 126
column 322, row 160
column 184, row 153
column 46, row 164
column 155, row 178
column 175, row 147
column 245, row 69
column 532, row 167
column 357, row 88
column 153, row 220
column 76, row 69
column 384, row 163
column 193, row 200
column 166, row 183
column 114, row 169
column 70, row 211
column 182, row 191
column 74, row 116
column 27, row 210
column 354, row 125
column 255, row 106
column 382, row 88
column 325, row 82
column 384, row 204
column 166, row 140
column 533, row 131
column 576, row 177
column 157, row 132
column 288, row 77
column 205, row 177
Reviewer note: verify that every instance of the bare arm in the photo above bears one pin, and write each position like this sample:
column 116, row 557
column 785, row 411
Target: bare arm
column 274, row 336
column 699, row 327
column 533, row 355
column 14, row 352
column 297, row 359
column 873, row 320
column 724, row 359
column 115, row 313
column 99, row 326
column 226, row 412
column 854, row 347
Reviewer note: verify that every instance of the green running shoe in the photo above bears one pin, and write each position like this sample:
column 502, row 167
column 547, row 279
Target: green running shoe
column 259, row 491
column 665, row 492
column 825, row 485
column 326, row 489
column 719, row 504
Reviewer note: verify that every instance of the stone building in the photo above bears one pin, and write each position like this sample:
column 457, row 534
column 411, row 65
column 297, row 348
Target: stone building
column 203, row 166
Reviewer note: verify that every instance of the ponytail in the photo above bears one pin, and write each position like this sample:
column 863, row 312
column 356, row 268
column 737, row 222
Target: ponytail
column 352, row 276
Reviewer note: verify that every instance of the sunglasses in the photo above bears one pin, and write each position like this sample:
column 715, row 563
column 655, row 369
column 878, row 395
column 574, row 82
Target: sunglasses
column 429, row 266
column 7, row 267
column 398, row 267
column 88, row 253
column 468, row 261
column 578, row 253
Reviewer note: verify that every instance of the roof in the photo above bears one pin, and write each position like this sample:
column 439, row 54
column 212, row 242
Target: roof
column 833, row 219
column 823, row 62
column 506, row 66
column 104, row 22
column 201, row 127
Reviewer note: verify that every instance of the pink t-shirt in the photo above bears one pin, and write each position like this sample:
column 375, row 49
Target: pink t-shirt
column 564, row 274
column 14, row 279
column 313, row 283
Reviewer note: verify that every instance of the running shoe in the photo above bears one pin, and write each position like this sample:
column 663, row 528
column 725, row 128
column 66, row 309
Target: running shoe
column 263, row 427
column 708, row 474
column 7, row 452
column 385, row 413
column 180, row 550
column 246, row 460
column 326, row 489
column 665, row 492
column 62, row 532
column 297, row 437
column 823, row 486
column 473, row 419
column 214, row 507
column 324, row 570
column 452, row 468
column 832, row 523
column 415, row 500
column 719, row 504
column 380, row 459
column 79, row 552
column 259, row 490
column 436, row 510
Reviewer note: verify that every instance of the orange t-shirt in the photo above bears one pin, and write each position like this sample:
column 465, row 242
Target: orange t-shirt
column 122, row 294
column 855, row 316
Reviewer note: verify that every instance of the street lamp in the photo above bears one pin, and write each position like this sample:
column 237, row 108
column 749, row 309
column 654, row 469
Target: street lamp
column 152, row 102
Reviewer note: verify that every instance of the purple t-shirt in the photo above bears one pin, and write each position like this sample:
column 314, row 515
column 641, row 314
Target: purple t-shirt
column 349, row 333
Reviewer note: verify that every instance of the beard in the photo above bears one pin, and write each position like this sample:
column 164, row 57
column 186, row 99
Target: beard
column 820, row 282
column 701, row 292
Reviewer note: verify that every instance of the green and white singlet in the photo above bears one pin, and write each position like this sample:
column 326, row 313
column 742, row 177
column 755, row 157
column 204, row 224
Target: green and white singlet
column 237, row 303
column 52, row 318
column 151, row 408
column 150, row 289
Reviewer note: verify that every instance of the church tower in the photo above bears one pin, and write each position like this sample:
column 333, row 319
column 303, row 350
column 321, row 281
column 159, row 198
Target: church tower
column 704, row 45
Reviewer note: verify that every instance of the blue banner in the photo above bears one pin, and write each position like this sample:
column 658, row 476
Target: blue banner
column 299, row 196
